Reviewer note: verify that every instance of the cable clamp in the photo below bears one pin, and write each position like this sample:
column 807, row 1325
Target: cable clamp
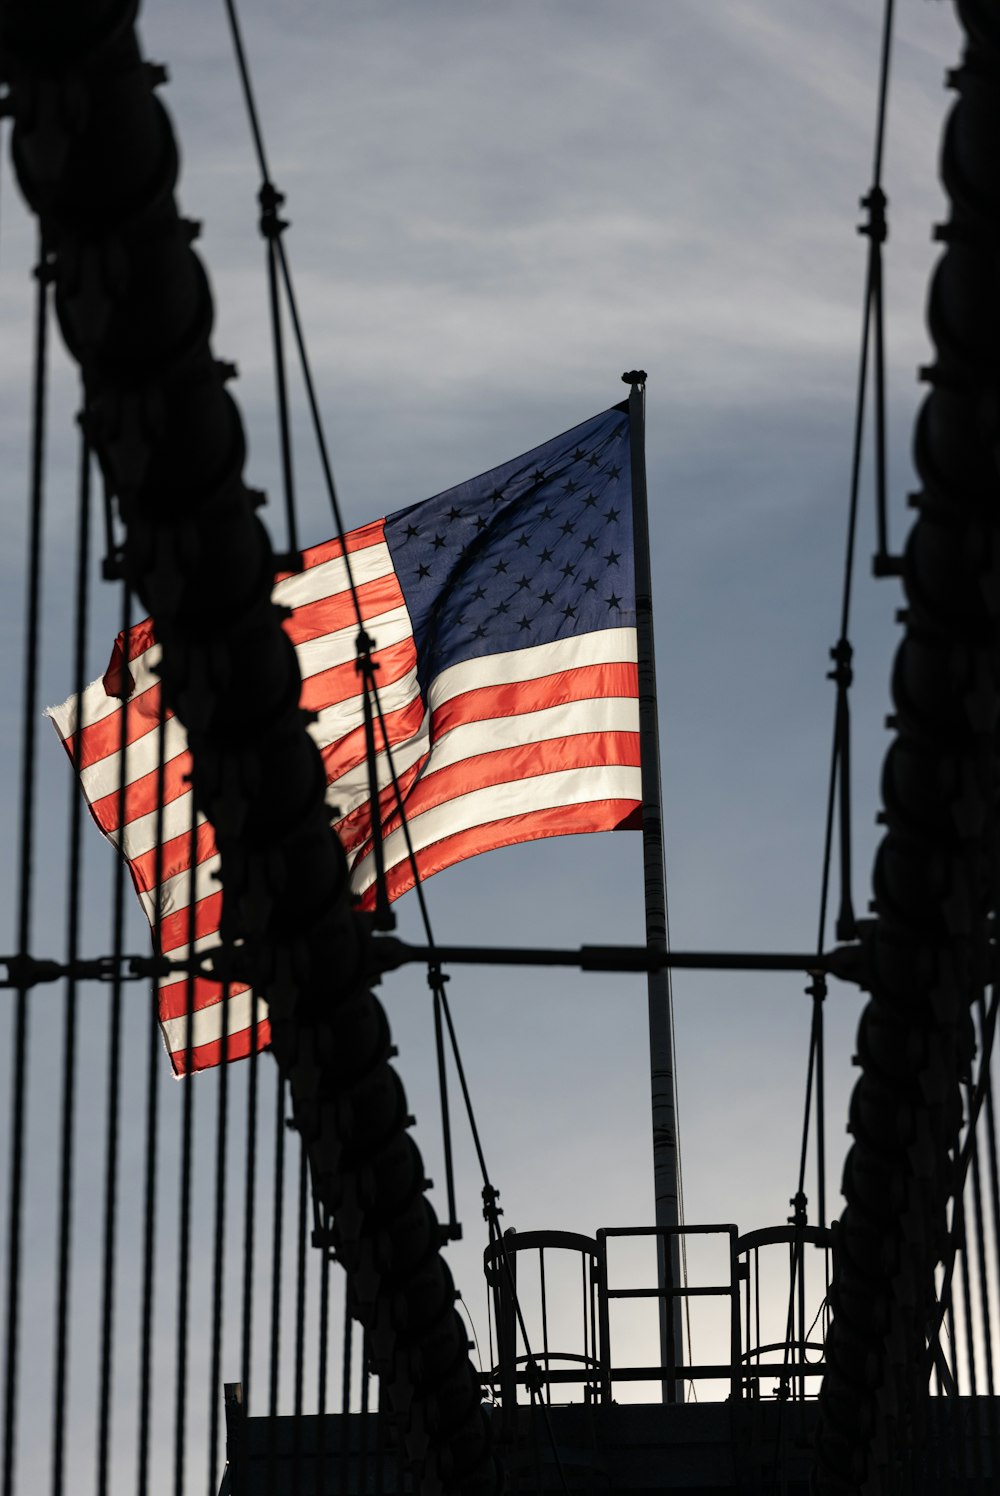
column 817, row 987
column 270, row 199
column 842, row 655
column 490, row 1207
column 884, row 564
column 877, row 228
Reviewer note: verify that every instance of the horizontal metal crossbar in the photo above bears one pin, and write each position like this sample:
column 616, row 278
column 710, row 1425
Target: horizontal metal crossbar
column 387, row 953
column 390, row 953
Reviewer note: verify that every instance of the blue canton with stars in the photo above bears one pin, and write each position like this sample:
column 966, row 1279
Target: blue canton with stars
column 537, row 550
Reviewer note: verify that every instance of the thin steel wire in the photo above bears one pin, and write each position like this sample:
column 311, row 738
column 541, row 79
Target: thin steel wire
column 983, row 1273
column 323, row 1351
column 248, row 96
column 105, row 1367
column 276, row 1242
column 490, row 1196
column 19, row 1045
column 73, row 892
column 281, row 385
column 994, row 1180
column 839, row 772
column 364, row 1423
column 381, row 1435
column 152, row 1133
column 292, row 303
column 345, row 1391
column 187, row 1153
column 300, row 1318
column 959, row 1227
column 883, row 91
column 215, row 1389
column 249, row 1208
column 436, row 980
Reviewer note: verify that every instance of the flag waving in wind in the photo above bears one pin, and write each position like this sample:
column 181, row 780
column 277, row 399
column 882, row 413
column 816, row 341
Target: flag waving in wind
column 502, row 620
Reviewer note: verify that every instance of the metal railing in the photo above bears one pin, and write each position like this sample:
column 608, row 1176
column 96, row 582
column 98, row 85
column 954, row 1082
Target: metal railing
column 589, row 1363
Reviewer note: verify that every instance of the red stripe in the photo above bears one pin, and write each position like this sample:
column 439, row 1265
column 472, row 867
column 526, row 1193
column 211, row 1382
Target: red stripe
column 585, row 683
column 176, row 859
column 340, row 682
column 141, row 794
column 357, row 540
column 327, row 615
column 175, row 930
column 204, row 1056
column 174, row 1002
column 348, row 752
column 101, row 739
column 140, row 638
column 355, row 830
column 569, row 820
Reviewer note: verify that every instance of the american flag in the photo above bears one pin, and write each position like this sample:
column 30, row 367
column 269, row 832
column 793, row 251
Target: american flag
column 502, row 615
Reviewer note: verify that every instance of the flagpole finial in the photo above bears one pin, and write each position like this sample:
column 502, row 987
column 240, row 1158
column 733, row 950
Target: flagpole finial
column 634, row 376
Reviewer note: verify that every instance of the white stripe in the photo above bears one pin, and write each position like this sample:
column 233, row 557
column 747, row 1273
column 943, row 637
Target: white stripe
column 141, row 757
column 140, row 834
column 177, row 890
column 97, row 704
column 494, row 802
column 351, row 789
column 340, row 646
column 334, row 722
column 330, row 577
column 206, row 1023
column 602, row 647
column 180, row 953
column 571, row 719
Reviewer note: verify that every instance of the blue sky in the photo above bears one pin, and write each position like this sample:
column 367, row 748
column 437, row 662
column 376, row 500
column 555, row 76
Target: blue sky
column 495, row 210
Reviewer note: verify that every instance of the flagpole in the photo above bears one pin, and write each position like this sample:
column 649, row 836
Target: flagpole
column 661, row 1056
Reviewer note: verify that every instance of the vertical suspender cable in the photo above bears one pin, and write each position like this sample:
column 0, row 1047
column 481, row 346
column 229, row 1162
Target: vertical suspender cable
column 153, row 1048
column 323, row 1350
column 249, row 1206
column 73, row 890
column 345, row 1392
column 300, row 1318
column 19, row 1046
column 215, row 1389
column 113, row 1091
column 277, row 1225
column 187, row 1156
